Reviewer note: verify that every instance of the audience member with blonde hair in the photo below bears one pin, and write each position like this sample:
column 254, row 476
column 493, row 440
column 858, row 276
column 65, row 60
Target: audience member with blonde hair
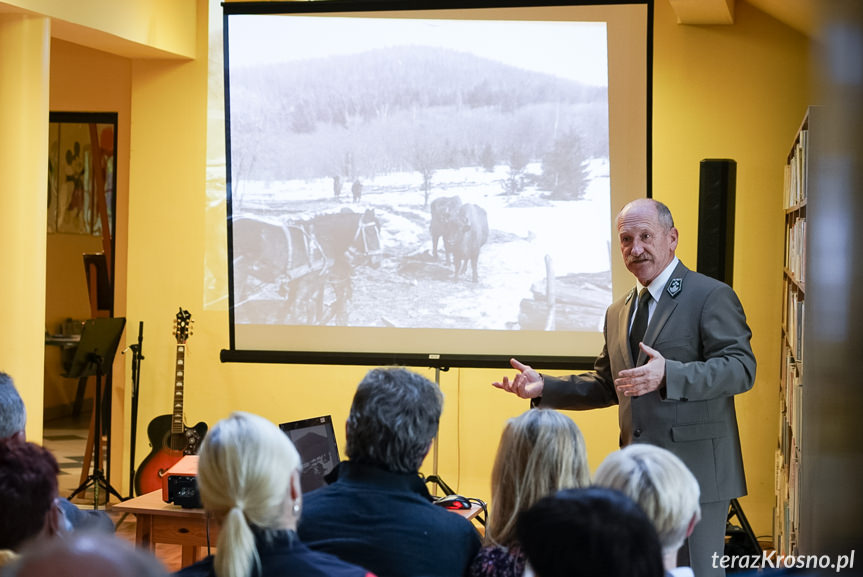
column 664, row 488
column 541, row 451
column 249, row 479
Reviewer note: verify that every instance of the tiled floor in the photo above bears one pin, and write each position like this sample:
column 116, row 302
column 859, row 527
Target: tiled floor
column 66, row 438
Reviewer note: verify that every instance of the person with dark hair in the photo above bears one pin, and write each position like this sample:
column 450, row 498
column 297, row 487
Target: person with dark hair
column 676, row 353
column 593, row 532
column 540, row 452
column 85, row 554
column 28, row 497
column 13, row 419
column 378, row 512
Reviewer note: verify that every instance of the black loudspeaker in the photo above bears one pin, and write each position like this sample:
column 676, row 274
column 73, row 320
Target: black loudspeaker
column 716, row 190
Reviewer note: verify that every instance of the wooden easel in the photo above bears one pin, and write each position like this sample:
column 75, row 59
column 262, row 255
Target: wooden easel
column 100, row 285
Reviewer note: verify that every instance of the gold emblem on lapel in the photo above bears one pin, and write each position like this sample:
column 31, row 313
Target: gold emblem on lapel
column 675, row 286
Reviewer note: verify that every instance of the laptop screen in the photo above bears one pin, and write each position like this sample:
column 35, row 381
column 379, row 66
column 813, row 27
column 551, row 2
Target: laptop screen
column 315, row 441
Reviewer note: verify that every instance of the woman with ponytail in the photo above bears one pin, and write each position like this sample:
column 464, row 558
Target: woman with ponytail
column 249, row 479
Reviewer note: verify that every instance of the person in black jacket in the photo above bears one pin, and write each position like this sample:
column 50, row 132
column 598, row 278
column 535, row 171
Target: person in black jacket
column 378, row 512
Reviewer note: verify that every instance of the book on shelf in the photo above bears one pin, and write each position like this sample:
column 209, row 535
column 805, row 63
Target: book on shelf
column 795, row 249
column 795, row 311
column 797, row 171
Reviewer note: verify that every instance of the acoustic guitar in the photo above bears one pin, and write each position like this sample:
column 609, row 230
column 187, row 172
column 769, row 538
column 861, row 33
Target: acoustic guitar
column 169, row 436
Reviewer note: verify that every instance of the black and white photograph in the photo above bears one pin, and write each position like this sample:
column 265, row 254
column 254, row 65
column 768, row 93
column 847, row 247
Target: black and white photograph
column 418, row 173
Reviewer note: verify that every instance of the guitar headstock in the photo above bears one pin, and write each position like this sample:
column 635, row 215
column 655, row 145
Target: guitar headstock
column 183, row 326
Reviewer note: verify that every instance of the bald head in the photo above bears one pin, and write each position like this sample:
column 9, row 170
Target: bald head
column 648, row 238
column 86, row 555
column 663, row 213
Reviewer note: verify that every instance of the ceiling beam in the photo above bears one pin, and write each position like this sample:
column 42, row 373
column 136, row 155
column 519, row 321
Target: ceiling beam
column 703, row 12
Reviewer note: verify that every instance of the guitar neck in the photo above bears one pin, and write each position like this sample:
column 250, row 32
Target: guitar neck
column 179, row 380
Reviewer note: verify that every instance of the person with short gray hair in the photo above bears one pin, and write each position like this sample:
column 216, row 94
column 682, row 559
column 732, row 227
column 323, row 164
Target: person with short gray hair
column 13, row 419
column 393, row 420
column 377, row 513
column 664, row 488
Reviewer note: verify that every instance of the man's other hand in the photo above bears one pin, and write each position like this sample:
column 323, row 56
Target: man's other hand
column 527, row 384
column 644, row 379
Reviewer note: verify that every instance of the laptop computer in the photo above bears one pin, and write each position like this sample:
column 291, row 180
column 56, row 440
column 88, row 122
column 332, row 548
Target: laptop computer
column 315, row 441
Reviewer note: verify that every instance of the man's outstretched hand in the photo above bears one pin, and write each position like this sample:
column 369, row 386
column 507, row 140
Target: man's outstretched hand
column 527, row 384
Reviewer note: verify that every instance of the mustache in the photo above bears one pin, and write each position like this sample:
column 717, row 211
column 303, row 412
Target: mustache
column 638, row 260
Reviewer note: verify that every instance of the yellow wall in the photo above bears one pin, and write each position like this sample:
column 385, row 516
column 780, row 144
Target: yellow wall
column 24, row 70
column 87, row 80
column 737, row 92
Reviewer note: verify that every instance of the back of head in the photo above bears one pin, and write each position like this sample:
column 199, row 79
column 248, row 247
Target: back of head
column 28, row 488
column 13, row 418
column 393, row 420
column 656, row 479
column 246, row 466
column 540, row 451
column 593, row 532
column 84, row 554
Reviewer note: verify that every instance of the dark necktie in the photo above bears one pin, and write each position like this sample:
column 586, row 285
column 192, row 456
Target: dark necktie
column 639, row 324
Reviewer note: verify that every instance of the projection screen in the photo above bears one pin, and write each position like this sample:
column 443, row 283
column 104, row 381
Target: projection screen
column 431, row 185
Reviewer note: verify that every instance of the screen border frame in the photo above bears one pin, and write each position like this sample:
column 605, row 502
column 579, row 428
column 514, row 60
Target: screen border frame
column 439, row 361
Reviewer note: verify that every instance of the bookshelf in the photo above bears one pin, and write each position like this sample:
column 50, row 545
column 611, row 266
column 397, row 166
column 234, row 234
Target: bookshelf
column 789, row 451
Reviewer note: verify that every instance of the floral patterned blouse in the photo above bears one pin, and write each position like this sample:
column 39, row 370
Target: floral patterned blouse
column 497, row 561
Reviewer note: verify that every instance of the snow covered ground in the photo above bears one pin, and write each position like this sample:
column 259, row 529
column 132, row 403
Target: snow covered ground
column 412, row 289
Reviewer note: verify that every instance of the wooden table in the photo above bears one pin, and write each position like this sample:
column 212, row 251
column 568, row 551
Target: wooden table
column 160, row 522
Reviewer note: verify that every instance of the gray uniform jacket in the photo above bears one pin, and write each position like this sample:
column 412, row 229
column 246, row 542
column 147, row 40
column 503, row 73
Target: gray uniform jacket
column 700, row 328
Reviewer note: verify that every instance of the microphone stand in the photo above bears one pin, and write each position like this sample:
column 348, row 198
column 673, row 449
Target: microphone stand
column 434, row 478
column 137, row 357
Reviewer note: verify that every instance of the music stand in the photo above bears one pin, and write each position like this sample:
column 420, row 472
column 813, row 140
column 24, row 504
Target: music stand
column 95, row 356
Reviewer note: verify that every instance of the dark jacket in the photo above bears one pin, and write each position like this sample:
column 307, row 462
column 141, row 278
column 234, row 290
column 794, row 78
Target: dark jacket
column 285, row 556
column 386, row 522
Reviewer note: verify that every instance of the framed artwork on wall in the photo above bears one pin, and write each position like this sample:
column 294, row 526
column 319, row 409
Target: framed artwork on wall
column 81, row 172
